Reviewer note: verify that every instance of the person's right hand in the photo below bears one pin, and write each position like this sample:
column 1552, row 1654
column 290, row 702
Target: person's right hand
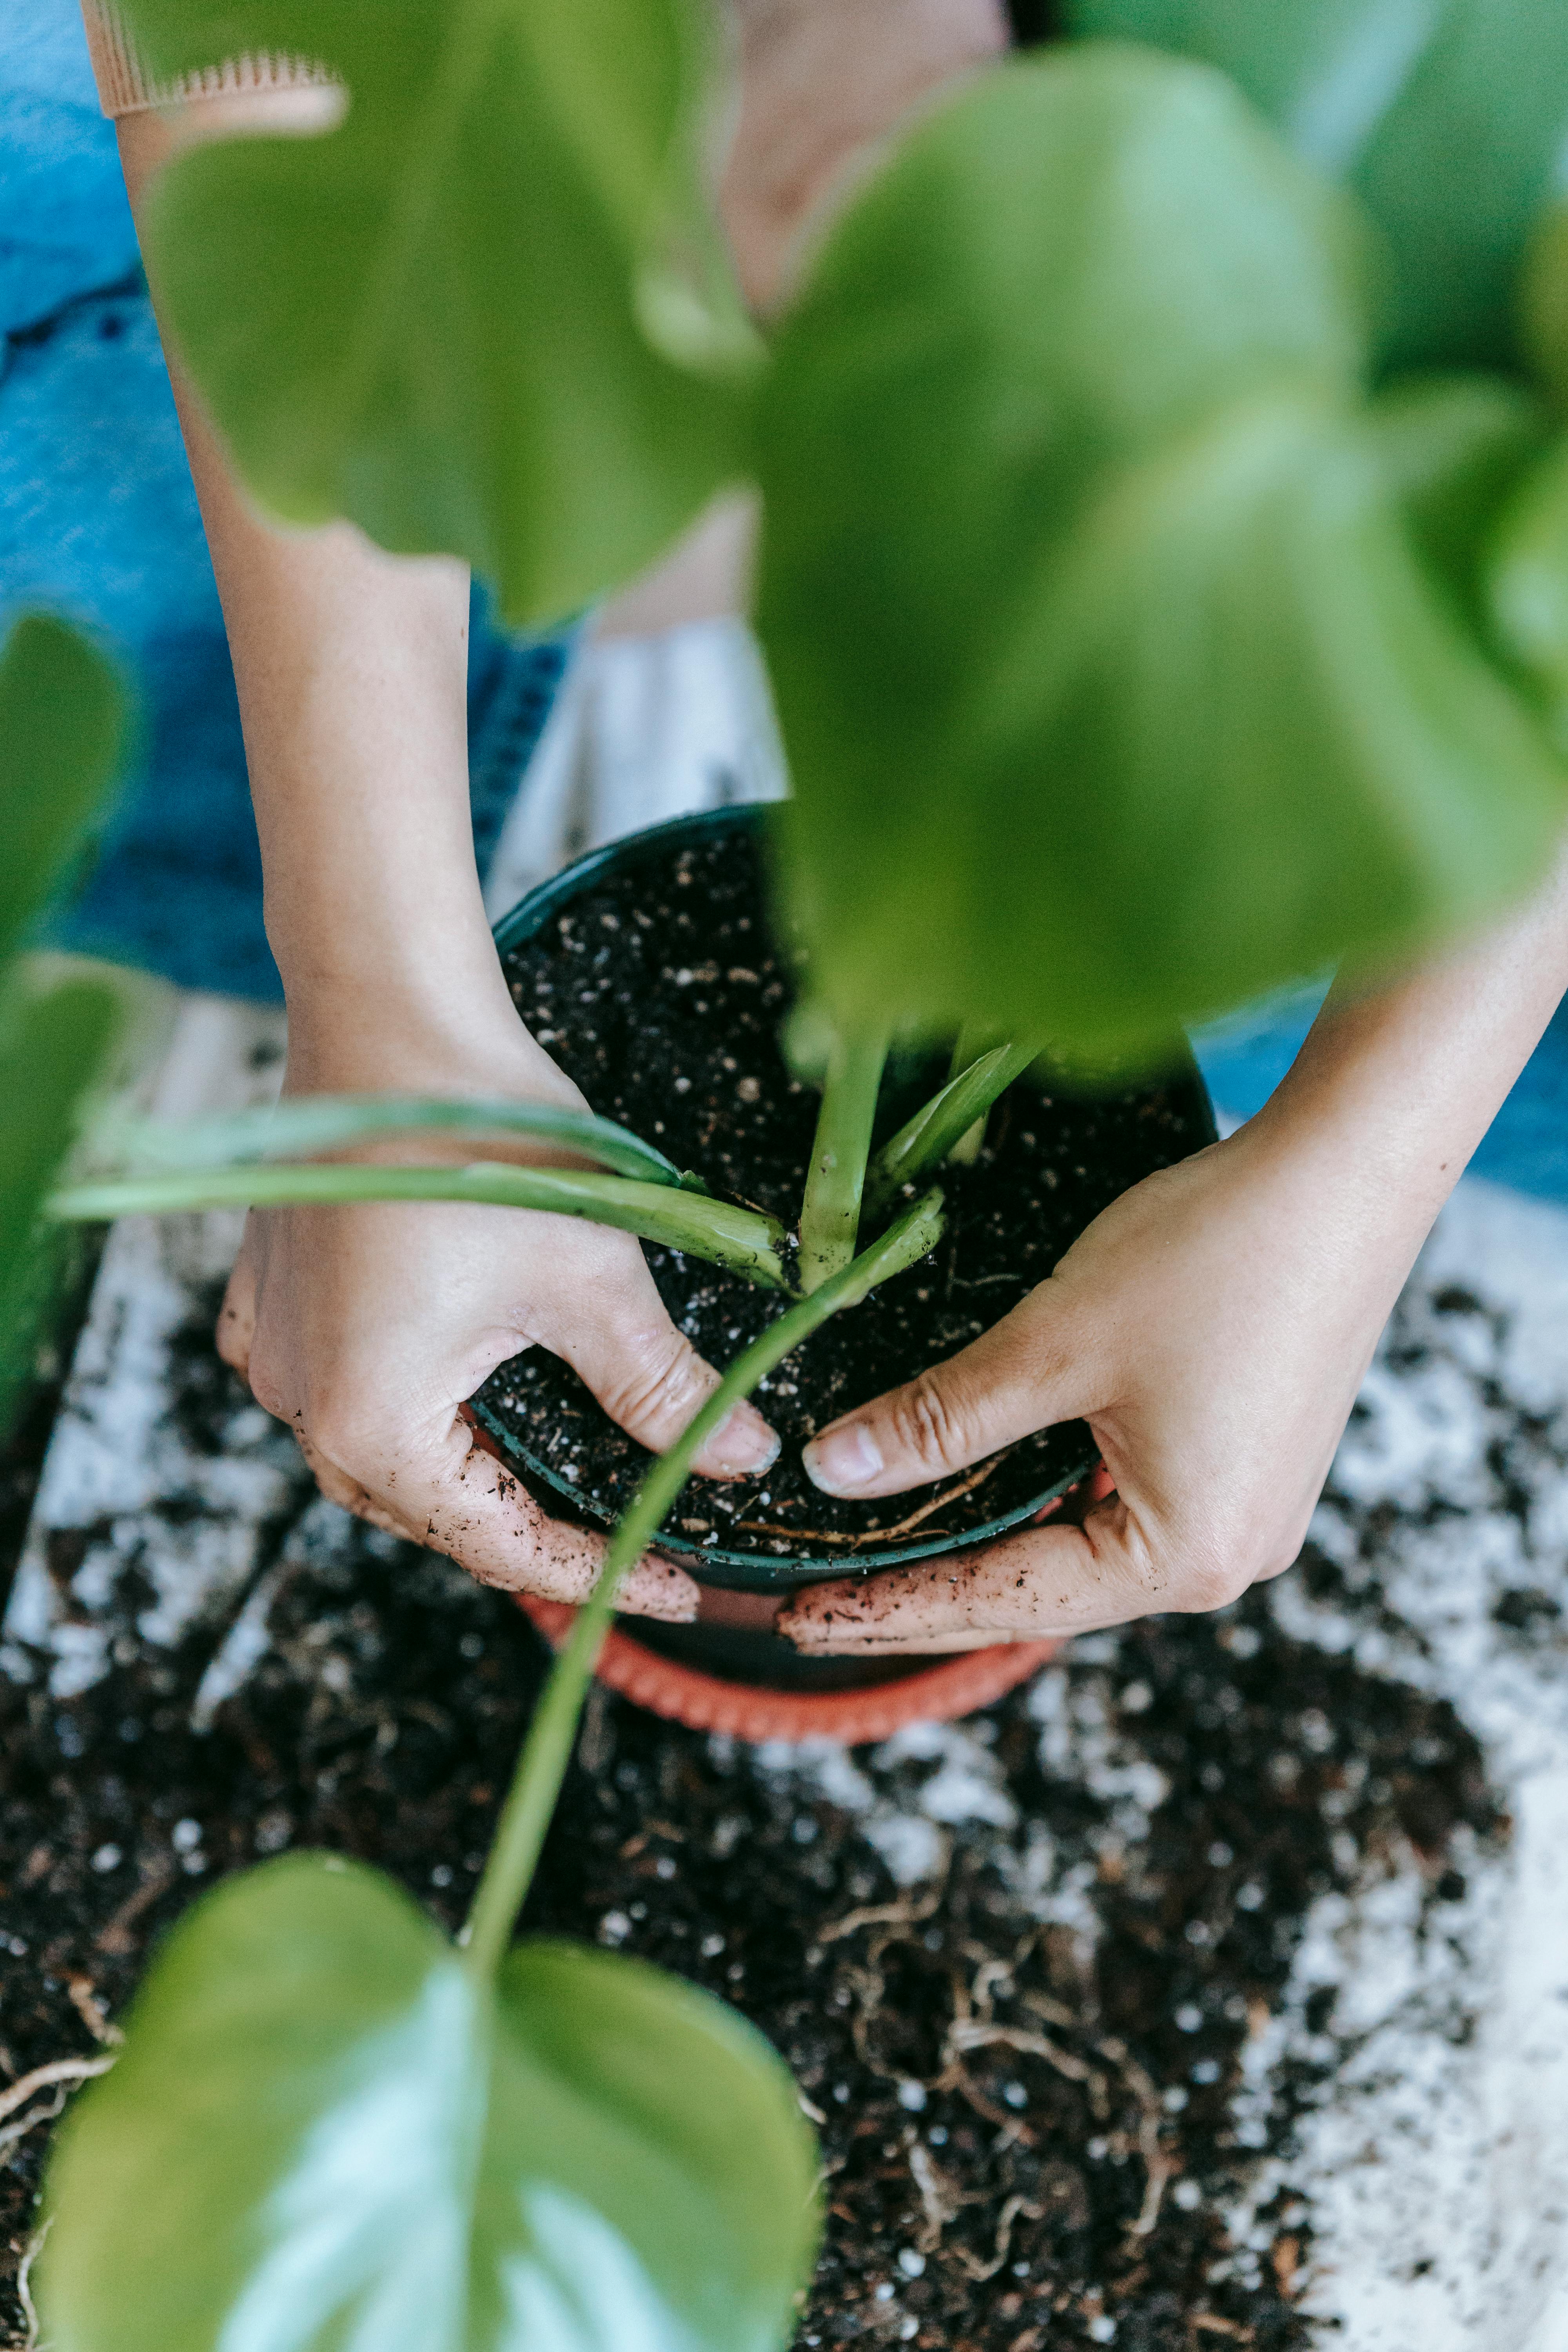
column 366, row 1327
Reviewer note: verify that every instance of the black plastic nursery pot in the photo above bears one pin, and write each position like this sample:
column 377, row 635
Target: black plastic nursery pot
column 649, row 971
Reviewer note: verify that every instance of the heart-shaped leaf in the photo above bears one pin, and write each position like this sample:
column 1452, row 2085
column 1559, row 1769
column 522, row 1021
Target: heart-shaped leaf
column 1115, row 687
column 62, row 721
column 1448, row 117
column 327, row 2134
column 436, row 318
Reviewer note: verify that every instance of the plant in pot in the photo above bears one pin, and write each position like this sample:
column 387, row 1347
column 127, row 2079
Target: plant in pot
column 1140, row 640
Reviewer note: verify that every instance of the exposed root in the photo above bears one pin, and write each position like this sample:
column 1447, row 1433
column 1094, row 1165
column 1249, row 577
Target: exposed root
column 117, row 1937
column 59, row 2070
column 1157, row 2163
column 940, row 2199
column 979, row 2271
column 29, row 2343
column 84, row 1999
column 975, row 2035
column 885, row 1915
column 881, row 1535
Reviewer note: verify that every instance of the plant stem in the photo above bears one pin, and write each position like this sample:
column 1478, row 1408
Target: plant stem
column 830, row 1213
column 972, row 1042
column 929, row 1136
column 301, row 1128
column 741, row 1239
column 547, row 1750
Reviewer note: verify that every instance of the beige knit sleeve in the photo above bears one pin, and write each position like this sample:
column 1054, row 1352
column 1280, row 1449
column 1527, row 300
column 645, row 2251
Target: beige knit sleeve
column 123, row 88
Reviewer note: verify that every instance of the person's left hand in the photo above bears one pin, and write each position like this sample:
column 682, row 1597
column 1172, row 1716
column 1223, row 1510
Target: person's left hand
column 1212, row 1327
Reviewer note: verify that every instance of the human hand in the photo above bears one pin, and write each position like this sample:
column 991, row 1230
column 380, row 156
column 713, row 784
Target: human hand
column 366, row 1327
column 1212, row 1327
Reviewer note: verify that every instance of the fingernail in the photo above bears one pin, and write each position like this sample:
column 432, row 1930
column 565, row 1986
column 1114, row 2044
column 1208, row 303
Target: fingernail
column 742, row 1441
column 843, row 1460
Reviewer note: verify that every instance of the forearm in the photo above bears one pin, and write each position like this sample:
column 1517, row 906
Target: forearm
column 351, row 666
column 1393, row 1089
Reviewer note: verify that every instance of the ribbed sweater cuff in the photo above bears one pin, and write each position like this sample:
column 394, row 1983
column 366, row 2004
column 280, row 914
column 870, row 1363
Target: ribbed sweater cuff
column 125, row 87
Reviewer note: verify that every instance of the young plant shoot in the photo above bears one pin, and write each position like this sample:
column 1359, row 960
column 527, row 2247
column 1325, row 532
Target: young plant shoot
column 830, row 1213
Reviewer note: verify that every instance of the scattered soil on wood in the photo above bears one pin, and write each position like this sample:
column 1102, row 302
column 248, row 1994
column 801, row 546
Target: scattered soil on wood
column 1026, row 2050
column 661, row 993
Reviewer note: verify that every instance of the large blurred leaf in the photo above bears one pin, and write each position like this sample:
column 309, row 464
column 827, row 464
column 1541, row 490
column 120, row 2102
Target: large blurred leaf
column 61, row 720
column 52, row 1049
column 1114, row 687
column 428, row 319
column 1448, row 117
column 1454, row 450
column 323, row 2138
column 1529, row 581
column 1543, row 303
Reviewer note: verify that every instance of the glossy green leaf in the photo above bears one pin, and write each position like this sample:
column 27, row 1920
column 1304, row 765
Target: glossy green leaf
column 434, row 318
column 1449, row 117
column 325, row 2135
column 53, row 1048
column 62, row 718
column 1115, row 686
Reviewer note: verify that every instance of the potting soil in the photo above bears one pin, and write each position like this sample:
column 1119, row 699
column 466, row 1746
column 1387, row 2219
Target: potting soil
column 661, row 993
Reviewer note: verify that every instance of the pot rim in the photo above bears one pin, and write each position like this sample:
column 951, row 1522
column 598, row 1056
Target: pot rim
column 744, row 1570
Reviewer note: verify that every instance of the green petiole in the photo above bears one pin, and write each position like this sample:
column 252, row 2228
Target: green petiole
column 972, row 1042
column 541, row 1767
column 741, row 1239
column 830, row 1213
column 926, row 1138
column 299, row 1128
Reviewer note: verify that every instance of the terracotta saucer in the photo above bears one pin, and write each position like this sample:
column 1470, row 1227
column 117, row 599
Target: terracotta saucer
column 940, row 1693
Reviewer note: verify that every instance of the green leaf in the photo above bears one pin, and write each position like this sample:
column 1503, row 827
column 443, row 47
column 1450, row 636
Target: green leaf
column 1528, row 582
column 743, row 1239
column 1449, row 117
column 62, row 720
column 433, row 317
column 52, row 1049
column 1115, row 687
column 1543, row 303
column 325, row 2135
column 1454, row 449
